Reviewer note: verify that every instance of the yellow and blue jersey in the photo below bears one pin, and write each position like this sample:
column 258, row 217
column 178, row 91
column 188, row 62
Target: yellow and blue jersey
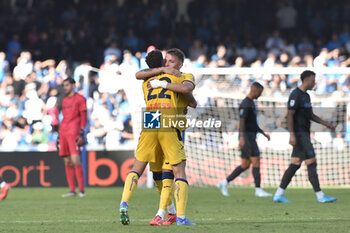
column 154, row 143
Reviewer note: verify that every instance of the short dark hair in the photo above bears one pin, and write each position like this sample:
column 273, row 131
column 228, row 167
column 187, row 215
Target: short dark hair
column 154, row 59
column 257, row 85
column 70, row 80
column 306, row 74
column 177, row 52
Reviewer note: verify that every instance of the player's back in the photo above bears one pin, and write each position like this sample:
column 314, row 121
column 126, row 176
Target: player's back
column 160, row 98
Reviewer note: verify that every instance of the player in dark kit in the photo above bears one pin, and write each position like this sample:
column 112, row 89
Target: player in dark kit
column 71, row 136
column 248, row 128
column 299, row 119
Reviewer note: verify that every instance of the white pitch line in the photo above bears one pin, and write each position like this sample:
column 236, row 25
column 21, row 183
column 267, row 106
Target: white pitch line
column 198, row 219
column 54, row 221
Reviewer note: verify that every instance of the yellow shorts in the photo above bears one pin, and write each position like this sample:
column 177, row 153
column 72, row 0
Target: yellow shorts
column 153, row 144
column 147, row 146
column 160, row 164
column 157, row 166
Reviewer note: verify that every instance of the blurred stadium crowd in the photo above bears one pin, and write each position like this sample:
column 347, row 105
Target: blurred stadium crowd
column 43, row 42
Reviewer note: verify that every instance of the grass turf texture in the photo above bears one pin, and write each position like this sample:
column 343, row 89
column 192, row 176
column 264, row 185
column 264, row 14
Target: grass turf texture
column 43, row 210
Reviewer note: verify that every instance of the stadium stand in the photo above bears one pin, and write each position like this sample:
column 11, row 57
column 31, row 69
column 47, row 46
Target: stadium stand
column 43, row 42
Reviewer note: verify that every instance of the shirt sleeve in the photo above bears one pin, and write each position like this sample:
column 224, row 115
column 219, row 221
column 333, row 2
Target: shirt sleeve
column 244, row 110
column 83, row 113
column 293, row 102
column 189, row 78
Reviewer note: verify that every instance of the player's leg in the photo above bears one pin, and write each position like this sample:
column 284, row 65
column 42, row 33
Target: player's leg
column 159, row 217
column 259, row 192
column 146, row 152
column 172, row 213
column 79, row 173
column 313, row 178
column 157, row 177
column 166, row 195
column 298, row 155
column 181, row 193
column 5, row 187
column 310, row 160
column 165, row 203
column 132, row 179
column 129, row 187
column 174, row 153
column 65, row 153
column 70, row 176
column 167, row 189
column 169, row 182
column 164, row 181
column 287, row 177
column 245, row 163
column 222, row 185
column 156, row 168
column 255, row 160
column 74, row 152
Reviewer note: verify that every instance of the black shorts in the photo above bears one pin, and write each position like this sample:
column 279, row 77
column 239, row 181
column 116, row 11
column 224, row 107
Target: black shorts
column 250, row 148
column 303, row 148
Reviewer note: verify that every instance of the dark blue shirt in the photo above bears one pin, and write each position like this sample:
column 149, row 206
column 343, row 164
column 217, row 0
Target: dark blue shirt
column 300, row 102
column 247, row 111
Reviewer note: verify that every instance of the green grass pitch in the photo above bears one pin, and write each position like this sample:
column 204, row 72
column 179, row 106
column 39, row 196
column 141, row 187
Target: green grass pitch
column 43, row 210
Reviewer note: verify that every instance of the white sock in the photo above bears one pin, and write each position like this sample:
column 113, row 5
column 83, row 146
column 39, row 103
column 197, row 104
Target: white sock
column 2, row 184
column 161, row 213
column 171, row 209
column 279, row 192
column 319, row 194
column 181, row 216
column 259, row 189
column 224, row 182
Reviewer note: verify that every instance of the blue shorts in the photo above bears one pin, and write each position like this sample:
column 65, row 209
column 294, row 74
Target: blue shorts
column 250, row 148
column 303, row 148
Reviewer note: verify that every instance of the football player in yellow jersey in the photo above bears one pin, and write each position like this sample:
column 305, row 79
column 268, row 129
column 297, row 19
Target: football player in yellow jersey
column 164, row 181
column 153, row 141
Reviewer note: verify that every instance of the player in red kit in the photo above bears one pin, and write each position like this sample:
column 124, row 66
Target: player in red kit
column 4, row 187
column 71, row 136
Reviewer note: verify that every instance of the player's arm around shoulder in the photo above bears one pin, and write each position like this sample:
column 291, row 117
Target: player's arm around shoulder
column 146, row 73
column 184, row 86
column 189, row 78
